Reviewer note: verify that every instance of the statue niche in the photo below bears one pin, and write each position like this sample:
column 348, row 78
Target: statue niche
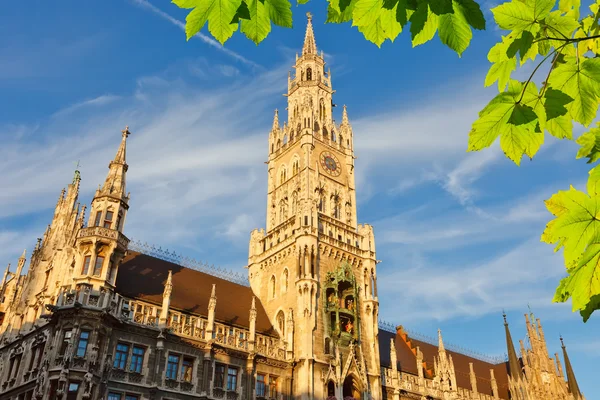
column 341, row 305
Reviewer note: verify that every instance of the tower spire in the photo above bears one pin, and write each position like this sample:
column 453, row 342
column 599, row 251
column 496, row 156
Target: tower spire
column 310, row 47
column 513, row 361
column 345, row 116
column 573, row 386
column 114, row 185
column 440, row 341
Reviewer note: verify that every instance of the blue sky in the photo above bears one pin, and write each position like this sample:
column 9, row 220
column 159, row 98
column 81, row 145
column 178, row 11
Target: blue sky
column 458, row 233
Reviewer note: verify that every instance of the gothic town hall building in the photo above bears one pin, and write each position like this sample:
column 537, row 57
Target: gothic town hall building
column 97, row 317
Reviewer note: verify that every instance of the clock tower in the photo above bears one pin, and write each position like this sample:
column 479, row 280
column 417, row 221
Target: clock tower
column 314, row 267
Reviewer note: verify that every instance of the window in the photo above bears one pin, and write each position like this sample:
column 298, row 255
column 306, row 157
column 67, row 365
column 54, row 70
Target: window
column 137, row 359
column 73, row 389
column 132, row 397
column 111, row 271
column 119, row 219
column 273, row 287
column 186, row 369
column 219, row 376
column 84, row 338
column 15, row 363
column 172, row 366
column 260, row 385
column 98, row 265
column 98, row 218
column 86, row 265
column 272, row 387
column 231, row 378
column 308, row 74
column 114, row 396
column 108, row 219
column 66, row 339
column 121, row 356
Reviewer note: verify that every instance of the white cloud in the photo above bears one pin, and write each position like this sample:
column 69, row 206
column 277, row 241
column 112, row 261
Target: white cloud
column 95, row 102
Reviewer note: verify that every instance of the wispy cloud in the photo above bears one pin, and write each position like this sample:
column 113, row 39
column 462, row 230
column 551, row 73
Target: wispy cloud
column 95, row 102
column 211, row 42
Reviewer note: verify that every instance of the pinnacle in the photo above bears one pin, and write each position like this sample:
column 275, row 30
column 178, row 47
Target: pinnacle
column 310, row 46
column 24, row 254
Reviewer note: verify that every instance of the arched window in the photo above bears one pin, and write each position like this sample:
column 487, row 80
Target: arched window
column 325, row 133
column 341, row 141
column 272, row 147
column 327, row 346
column 296, row 167
column 281, row 322
column 333, row 135
column 285, row 139
column 273, row 287
column 308, row 74
column 291, row 135
column 282, row 211
column 322, row 205
column 282, row 176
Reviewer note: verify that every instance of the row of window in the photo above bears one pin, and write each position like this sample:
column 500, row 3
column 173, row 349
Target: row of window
column 122, row 396
column 97, row 268
column 108, row 219
column 135, row 355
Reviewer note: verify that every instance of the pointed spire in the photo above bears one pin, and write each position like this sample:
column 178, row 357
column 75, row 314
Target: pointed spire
column 115, row 180
column 168, row 285
column 21, row 264
column 166, row 301
column 440, row 342
column 276, row 121
column 573, row 386
column 310, row 47
column 393, row 356
column 6, row 272
column 345, row 116
column 513, row 361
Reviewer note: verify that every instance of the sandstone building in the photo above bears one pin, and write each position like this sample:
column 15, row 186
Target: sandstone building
column 98, row 317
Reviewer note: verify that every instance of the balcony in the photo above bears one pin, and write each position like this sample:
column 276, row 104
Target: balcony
column 104, row 233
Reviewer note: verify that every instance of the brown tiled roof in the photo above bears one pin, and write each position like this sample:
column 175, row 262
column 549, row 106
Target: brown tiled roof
column 407, row 362
column 143, row 277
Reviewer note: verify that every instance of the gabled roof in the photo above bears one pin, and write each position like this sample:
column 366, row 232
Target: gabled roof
column 143, row 277
column 407, row 363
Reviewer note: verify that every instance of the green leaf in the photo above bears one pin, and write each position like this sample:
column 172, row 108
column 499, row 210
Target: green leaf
column 590, row 145
column 513, row 116
column 515, row 16
column 564, row 25
column 220, row 15
column 540, row 8
column 186, row 3
column 473, row 14
column 592, row 305
column 454, row 31
column 500, row 71
column 242, row 12
column 570, row 7
column 581, row 81
column 259, row 25
column 366, row 12
column 302, row 1
column 389, row 23
column 197, row 18
column 560, row 127
column 345, row 7
column 374, row 32
column 555, row 102
column 280, row 12
column 423, row 25
column 593, row 183
column 441, row 7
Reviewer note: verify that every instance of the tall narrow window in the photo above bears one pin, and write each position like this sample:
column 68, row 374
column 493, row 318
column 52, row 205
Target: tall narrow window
column 308, row 74
column 119, row 219
column 84, row 338
column 187, row 368
column 137, row 359
column 231, row 378
column 65, row 342
column 108, row 219
column 86, row 265
column 47, row 275
column 73, row 389
column 114, row 396
column 98, row 218
column 220, row 376
column 260, row 385
column 111, row 271
column 121, row 356
column 98, row 265
column 172, row 366
column 285, row 280
column 272, row 287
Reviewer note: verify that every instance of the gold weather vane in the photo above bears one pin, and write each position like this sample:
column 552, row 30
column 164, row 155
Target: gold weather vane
column 125, row 131
column 309, row 15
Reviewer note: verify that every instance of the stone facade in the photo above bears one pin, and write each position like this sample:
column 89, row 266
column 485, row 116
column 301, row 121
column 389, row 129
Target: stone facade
column 97, row 317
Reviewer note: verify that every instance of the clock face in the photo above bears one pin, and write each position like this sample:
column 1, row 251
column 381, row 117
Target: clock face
column 330, row 163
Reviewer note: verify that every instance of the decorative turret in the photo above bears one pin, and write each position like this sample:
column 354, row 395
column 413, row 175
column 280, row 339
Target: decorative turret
column 573, row 386
column 345, row 120
column 494, row 384
column 276, row 127
column 101, row 246
column 21, row 264
column 253, row 314
column 473, row 378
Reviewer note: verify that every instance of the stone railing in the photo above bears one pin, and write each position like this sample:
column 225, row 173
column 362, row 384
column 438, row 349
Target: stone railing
column 102, row 232
column 90, row 298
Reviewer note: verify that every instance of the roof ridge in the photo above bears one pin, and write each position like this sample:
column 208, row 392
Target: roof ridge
column 187, row 262
column 389, row 327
